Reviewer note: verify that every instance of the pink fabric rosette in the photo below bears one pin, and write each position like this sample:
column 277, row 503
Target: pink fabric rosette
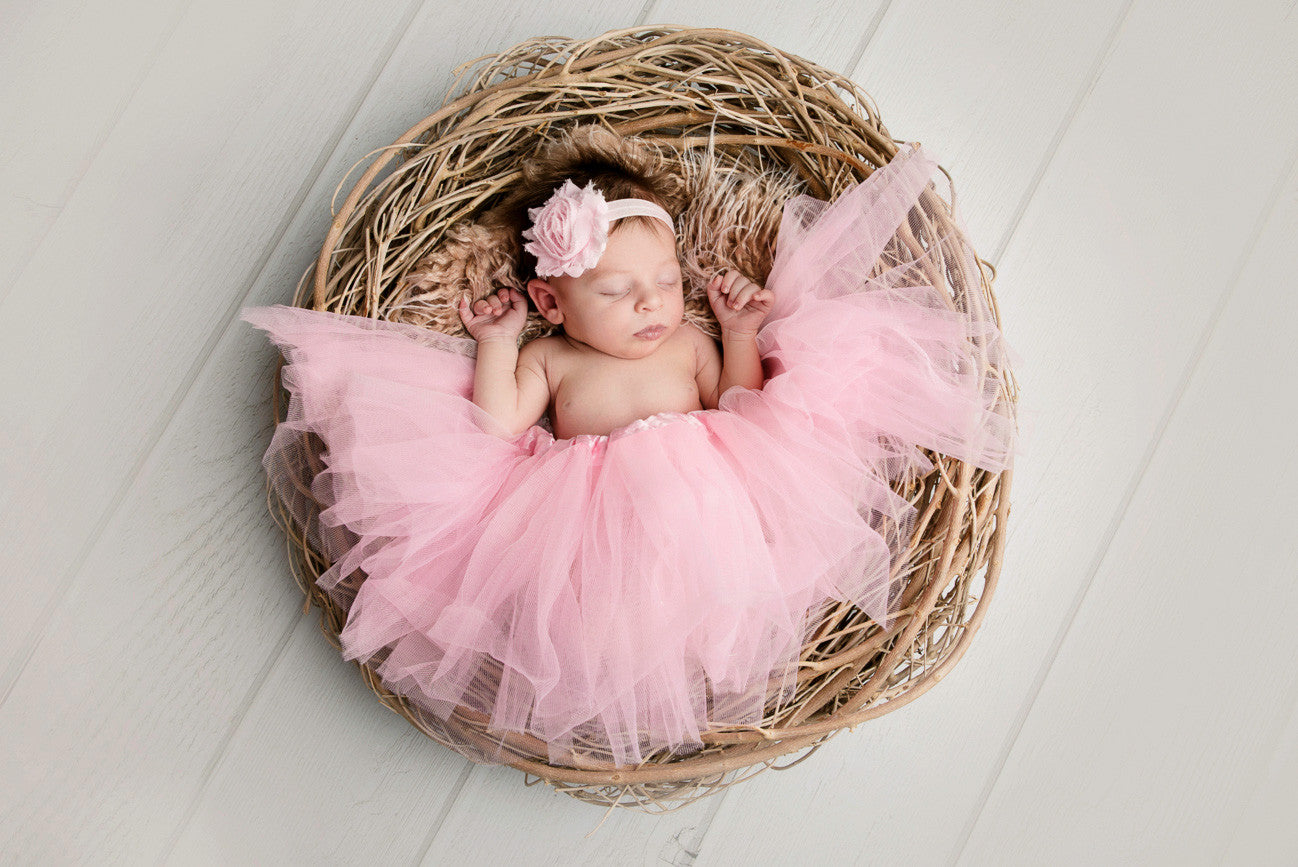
column 569, row 232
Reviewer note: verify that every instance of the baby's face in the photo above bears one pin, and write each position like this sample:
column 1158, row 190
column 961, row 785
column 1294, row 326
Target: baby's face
column 628, row 304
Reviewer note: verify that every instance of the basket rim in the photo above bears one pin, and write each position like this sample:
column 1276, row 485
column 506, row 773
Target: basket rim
column 969, row 497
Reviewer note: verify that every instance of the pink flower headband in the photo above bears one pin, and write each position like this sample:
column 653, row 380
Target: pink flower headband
column 570, row 231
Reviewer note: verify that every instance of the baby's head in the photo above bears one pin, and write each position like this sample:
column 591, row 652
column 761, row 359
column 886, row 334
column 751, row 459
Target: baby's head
column 601, row 243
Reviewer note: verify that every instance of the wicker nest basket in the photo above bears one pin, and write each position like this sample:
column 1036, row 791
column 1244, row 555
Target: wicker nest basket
column 682, row 90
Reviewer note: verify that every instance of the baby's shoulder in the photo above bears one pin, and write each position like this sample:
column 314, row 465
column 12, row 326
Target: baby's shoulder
column 704, row 344
column 543, row 354
column 542, row 346
column 697, row 332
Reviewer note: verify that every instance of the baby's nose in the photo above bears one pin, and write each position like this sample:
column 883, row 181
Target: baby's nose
column 650, row 300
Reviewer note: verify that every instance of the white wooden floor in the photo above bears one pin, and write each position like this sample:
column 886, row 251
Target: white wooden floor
column 1128, row 166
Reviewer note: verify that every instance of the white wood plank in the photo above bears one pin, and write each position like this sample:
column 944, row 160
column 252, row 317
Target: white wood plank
column 1174, row 683
column 161, row 239
column 989, row 88
column 1125, row 228
column 1266, row 833
column 300, row 783
column 62, row 87
column 828, row 32
column 142, row 664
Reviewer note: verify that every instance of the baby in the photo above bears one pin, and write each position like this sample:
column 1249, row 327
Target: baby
column 608, row 273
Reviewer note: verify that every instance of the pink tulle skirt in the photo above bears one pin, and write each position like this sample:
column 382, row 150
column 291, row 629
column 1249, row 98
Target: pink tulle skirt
column 615, row 595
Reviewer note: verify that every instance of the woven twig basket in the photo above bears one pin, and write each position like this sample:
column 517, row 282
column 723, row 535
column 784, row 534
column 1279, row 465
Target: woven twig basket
column 679, row 88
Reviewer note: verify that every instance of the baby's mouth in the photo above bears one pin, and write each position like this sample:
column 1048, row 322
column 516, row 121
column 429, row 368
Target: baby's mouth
column 651, row 332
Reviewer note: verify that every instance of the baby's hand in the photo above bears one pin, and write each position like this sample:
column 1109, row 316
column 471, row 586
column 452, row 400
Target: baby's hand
column 500, row 315
column 739, row 304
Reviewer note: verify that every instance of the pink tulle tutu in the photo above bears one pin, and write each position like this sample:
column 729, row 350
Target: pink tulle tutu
column 626, row 591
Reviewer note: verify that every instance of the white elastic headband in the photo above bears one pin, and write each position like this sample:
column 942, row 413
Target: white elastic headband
column 570, row 231
column 620, row 208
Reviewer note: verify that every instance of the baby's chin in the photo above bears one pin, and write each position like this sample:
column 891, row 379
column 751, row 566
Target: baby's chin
column 633, row 352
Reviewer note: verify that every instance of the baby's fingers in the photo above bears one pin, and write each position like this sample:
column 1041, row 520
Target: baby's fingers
column 723, row 283
column 489, row 306
column 742, row 293
column 763, row 299
column 474, row 310
column 465, row 311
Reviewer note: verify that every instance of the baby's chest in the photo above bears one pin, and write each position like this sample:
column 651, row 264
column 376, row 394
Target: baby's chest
column 597, row 398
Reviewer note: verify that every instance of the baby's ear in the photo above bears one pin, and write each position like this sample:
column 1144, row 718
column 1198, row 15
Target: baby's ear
column 545, row 298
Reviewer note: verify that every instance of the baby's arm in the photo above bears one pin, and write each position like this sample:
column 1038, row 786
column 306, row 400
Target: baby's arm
column 510, row 383
column 740, row 305
column 742, row 365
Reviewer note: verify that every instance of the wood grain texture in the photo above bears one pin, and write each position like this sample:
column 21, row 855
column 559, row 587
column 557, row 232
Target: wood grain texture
column 63, row 86
column 1165, row 705
column 1265, row 833
column 125, row 299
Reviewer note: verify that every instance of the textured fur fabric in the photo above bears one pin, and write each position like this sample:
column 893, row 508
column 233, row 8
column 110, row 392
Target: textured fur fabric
column 731, row 220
